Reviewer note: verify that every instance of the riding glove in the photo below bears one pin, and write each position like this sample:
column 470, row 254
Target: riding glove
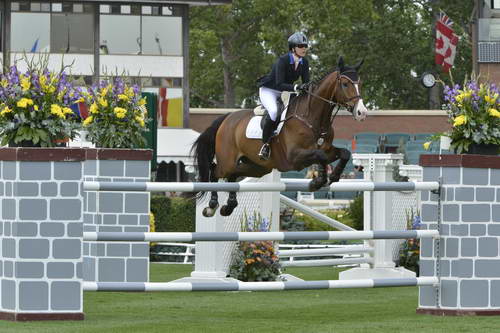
column 301, row 88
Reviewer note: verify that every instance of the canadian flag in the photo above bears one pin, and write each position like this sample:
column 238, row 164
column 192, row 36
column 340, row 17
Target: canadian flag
column 446, row 42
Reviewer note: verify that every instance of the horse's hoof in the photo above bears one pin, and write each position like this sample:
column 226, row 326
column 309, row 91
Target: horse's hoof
column 316, row 184
column 213, row 204
column 226, row 210
column 334, row 179
column 208, row 212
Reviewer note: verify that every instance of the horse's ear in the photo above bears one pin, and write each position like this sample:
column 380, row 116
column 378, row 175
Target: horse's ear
column 340, row 63
column 359, row 64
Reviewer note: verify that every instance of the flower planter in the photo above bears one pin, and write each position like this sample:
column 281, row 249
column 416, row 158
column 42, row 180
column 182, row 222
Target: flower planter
column 483, row 149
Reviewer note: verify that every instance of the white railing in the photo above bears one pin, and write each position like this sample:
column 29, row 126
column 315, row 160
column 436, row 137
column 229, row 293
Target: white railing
column 188, row 253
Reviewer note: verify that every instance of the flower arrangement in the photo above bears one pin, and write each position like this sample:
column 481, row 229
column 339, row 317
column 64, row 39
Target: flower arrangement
column 409, row 253
column 117, row 115
column 473, row 110
column 35, row 107
column 255, row 261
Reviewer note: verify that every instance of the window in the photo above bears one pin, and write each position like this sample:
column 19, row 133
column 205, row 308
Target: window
column 136, row 29
column 120, row 29
column 30, row 32
column 72, row 30
column 58, row 27
column 162, row 35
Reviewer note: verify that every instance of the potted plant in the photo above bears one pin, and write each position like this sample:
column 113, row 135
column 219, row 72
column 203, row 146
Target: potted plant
column 35, row 107
column 117, row 115
column 255, row 261
column 473, row 111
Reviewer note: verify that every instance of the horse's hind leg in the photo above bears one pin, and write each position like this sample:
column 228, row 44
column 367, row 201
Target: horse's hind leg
column 231, row 203
column 213, row 203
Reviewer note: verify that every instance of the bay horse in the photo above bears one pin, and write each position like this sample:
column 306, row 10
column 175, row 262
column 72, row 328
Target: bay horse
column 305, row 139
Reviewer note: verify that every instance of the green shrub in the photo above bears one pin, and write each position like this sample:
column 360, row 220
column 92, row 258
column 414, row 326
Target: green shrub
column 356, row 212
column 173, row 214
column 160, row 207
column 182, row 216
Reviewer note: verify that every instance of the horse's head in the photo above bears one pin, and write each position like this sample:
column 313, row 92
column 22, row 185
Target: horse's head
column 347, row 90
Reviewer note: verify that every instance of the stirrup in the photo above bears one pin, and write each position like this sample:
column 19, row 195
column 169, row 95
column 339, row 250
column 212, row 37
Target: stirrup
column 265, row 152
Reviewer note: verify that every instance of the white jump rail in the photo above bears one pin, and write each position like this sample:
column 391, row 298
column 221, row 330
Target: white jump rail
column 254, row 236
column 258, row 286
column 255, row 187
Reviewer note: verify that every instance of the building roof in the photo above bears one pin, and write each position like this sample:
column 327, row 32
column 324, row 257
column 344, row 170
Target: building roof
column 169, row 2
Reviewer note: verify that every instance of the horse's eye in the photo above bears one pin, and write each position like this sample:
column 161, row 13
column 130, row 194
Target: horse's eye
column 344, row 85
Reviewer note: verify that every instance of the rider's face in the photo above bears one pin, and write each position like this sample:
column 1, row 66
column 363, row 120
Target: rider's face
column 300, row 50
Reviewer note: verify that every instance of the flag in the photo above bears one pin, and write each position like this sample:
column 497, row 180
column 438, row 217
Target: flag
column 35, row 46
column 80, row 109
column 446, row 42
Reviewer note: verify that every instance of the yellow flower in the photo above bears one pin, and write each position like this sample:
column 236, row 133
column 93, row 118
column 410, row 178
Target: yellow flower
column 120, row 112
column 25, row 83
column 491, row 99
column 5, row 111
column 4, row 83
column 67, row 110
column 103, row 102
column 35, row 107
column 459, row 98
column 57, row 110
column 123, row 97
column 24, row 102
column 93, row 108
column 142, row 101
column 460, row 120
column 129, row 92
column 43, row 80
column 54, row 108
column 427, row 145
column 494, row 113
column 80, row 100
column 88, row 121
column 140, row 121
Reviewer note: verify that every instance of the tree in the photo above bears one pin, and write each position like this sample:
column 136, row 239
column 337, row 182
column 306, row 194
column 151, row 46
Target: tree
column 232, row 45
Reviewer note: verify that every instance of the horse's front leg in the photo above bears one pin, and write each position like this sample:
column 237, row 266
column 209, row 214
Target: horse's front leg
column 334, row 154
column 306, row 157
column 231, row 203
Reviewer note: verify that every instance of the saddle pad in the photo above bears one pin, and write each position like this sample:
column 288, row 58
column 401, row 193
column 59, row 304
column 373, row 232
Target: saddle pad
column 255, row 132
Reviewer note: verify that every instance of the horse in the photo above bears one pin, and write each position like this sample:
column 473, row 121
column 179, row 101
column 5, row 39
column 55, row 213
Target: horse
column 305, row 139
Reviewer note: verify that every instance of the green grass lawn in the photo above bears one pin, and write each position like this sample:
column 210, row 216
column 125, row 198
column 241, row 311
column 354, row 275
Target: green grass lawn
column 337, row 310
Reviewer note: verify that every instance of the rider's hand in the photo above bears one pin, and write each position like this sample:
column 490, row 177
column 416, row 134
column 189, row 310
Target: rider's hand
column 301, row 88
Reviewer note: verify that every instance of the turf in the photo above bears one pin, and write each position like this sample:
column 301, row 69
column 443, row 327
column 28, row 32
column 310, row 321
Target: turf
column 338, row 310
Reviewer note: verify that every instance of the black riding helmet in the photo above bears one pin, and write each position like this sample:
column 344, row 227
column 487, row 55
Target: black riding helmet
column 297, row 38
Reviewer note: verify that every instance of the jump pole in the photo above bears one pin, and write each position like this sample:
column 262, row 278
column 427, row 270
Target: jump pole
column 254, row 236
column 258, row 286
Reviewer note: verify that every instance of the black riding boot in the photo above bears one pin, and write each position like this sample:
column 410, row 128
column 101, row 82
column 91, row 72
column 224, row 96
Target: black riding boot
column 267, row 134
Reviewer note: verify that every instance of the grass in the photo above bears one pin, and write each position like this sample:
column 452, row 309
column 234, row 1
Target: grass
column 338, row 310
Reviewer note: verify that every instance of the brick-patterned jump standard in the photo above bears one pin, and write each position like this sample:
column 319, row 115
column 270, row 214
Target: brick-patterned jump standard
column 467, row 256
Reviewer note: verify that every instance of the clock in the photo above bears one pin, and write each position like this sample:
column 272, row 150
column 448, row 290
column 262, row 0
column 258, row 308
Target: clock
column 428, row 80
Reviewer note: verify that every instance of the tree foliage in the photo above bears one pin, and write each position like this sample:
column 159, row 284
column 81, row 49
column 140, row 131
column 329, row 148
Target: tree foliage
column 232, row 45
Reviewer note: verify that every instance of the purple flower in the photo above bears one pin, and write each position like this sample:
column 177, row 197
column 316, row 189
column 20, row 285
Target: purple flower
column 417, row 222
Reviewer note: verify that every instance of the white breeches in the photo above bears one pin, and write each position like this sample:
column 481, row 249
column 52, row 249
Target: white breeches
column 268, row 98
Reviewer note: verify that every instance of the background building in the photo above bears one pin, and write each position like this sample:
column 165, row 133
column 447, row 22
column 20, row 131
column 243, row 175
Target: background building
column 144, row 40
column 486, row 42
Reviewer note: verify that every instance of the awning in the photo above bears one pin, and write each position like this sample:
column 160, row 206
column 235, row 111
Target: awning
column 174, row 144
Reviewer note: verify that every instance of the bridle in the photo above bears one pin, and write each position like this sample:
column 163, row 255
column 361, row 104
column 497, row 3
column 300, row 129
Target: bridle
column 333, row 103
column 321, row 135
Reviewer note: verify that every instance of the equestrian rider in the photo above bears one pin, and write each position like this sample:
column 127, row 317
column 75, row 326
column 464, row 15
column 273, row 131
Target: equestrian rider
column 285, row 71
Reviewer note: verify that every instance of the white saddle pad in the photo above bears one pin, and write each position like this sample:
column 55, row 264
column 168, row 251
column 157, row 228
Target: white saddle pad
column 255, row 132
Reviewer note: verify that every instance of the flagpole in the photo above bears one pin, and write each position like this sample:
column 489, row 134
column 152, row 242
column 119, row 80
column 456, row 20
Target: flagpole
column 434, row 97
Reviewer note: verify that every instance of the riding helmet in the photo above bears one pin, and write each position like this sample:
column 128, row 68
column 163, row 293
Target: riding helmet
column 297, row 38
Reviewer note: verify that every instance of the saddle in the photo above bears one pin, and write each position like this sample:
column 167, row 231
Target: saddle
column 256, row 124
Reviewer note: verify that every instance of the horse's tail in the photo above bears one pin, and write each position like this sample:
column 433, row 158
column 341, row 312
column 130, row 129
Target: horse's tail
column 203, row 149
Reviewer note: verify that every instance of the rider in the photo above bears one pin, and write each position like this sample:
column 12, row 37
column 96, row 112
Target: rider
column 286, row 70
